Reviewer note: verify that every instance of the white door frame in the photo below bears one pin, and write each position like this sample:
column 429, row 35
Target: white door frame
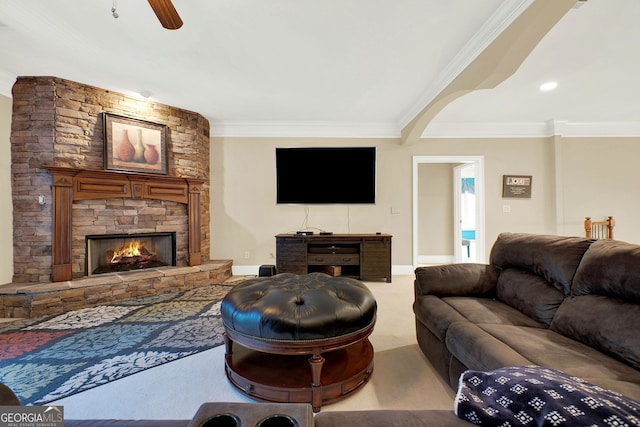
column 457, row 216
column 457, row 210
column 478, row 162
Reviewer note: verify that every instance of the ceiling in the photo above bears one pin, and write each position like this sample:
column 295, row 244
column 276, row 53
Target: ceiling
column 336, row 67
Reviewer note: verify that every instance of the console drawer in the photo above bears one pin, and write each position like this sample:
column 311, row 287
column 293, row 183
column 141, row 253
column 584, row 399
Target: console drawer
column 333, row 259
column 334, row 249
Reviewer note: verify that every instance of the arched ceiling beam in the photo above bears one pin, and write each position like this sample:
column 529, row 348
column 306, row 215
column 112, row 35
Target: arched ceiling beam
column 502, row 57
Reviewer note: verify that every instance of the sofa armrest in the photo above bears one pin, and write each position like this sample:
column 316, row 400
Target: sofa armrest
column 466, row 279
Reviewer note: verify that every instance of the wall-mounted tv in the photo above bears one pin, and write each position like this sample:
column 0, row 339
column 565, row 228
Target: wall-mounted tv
column 326, row 175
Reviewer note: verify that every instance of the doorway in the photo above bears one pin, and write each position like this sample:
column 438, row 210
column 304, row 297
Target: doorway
column 471, row 168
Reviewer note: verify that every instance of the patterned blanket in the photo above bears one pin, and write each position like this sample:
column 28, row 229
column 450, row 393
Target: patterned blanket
column 537, row 396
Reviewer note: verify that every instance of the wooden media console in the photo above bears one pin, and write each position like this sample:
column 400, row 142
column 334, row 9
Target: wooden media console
column 365, row 256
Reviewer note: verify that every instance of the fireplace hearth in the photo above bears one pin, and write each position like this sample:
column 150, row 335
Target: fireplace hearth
column 111, row 253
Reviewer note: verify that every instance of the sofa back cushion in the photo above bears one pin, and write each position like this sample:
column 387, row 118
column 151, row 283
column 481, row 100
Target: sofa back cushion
column 554, row 258
column 609, row 325
column 604, row 309
column 529, row 293
column 610, row 268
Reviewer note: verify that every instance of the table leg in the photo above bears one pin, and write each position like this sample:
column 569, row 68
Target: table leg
column 228, row 345
column 316, row 362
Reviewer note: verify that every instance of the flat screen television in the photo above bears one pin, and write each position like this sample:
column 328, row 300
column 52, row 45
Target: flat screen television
column 326, row 175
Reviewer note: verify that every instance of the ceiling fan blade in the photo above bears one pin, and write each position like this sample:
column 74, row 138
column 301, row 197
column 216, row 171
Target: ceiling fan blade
column 166, row 13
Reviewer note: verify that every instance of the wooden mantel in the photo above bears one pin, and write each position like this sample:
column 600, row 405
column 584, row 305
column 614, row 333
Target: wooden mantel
column 71, row 184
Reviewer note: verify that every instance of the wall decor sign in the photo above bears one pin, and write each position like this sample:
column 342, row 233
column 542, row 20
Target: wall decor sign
column 134, row 145
column 516, row 186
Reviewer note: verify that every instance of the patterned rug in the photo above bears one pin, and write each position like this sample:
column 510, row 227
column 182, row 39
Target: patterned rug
column 49, row 358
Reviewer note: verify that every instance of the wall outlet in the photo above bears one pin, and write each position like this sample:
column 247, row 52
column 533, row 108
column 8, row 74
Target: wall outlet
column 247, row 254
column 506, row 208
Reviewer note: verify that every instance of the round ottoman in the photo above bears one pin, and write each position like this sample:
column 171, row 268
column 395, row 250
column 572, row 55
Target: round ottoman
column 302, row 338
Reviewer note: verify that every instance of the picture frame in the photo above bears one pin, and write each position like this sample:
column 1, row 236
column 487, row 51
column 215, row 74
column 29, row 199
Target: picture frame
column 132, row 145
column 516, row 186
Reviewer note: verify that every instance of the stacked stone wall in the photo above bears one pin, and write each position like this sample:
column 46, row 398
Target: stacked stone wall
column 57, row 122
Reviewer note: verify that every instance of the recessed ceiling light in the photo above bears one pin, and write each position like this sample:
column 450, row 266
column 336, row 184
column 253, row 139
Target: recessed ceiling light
column 545, row 87
column 145, row 93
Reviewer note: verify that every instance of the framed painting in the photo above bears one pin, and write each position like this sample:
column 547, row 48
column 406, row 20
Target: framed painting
column 132, row 145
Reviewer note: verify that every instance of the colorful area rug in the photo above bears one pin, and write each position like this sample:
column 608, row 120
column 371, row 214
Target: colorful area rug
column 49, row 358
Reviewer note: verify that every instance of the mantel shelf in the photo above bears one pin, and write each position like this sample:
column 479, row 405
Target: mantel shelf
column 98, row 184
column 70, row 184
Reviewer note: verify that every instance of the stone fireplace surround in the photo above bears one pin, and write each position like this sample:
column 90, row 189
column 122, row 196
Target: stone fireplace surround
column 70, row 184
column 56, row 146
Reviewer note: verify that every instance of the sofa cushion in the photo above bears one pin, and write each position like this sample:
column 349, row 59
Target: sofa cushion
column 555, row 258
column 530, row 294
column 546, row 347
column 435, row 314
column 610, row 268
column 477, row 349
column 607, row 324
column 456, row 279
column 484, row 310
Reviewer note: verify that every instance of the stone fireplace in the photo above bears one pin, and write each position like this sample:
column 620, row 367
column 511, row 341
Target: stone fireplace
column 65, row 202
column 62, row 192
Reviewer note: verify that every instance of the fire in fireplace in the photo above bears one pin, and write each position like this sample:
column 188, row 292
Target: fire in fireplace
column 124, row 252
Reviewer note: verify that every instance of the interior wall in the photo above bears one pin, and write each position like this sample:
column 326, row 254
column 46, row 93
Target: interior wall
column 507, row 156
column 6, row 213
column 600, row 178
column 245, row 217
column 435, row 207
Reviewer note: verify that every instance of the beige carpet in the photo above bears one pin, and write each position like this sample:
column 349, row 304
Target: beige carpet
column 402, row 377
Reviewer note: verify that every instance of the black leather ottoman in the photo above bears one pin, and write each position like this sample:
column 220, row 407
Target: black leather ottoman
column 302, row 338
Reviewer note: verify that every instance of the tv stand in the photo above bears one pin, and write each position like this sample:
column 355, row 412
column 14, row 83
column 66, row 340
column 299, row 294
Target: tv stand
column 365, row 256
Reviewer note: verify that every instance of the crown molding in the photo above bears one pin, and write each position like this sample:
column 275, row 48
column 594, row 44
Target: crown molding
column 305, row 129
column 497, row 23
column 532, row 129
column 595, row 129
column 467, row 130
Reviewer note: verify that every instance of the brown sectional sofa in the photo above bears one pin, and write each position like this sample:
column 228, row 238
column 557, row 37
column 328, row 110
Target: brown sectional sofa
column 568, row 303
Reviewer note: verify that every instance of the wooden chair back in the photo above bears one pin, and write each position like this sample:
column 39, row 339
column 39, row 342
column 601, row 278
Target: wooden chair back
column 599, row 229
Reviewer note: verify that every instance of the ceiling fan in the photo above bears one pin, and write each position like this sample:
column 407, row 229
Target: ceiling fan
column 166, row 13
